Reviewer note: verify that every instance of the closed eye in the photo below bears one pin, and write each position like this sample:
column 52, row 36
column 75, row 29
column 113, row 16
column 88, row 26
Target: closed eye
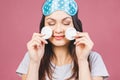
column 66, row 23
column 51, row 23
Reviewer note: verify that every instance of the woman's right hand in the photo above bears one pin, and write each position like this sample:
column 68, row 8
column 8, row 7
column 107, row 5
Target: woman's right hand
column 36, row 47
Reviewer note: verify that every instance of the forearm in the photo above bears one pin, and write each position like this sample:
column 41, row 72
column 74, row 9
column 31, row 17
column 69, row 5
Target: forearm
column 84, row 71
column 33, row 71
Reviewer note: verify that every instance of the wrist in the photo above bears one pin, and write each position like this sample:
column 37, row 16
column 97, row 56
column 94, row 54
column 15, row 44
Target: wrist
column 82, row 59
column 35, row 64
column 35, row 60
column 82, row 62
column 33, row 71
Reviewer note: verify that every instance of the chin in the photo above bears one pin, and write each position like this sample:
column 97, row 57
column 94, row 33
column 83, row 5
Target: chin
column 59, row 44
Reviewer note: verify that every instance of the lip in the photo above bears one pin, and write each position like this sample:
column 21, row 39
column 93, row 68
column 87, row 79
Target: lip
column 58, row 37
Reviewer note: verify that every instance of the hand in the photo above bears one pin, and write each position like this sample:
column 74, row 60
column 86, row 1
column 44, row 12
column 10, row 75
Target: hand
column 36, row 47
column 83, row 45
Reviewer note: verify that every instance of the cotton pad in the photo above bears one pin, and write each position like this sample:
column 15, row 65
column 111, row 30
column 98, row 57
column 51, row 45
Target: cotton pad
column 70, row 33
column 47, row 31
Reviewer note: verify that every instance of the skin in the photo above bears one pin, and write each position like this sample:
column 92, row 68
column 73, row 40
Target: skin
column 59, row 21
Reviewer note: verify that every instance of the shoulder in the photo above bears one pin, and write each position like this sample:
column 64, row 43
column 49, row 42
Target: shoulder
column 97, row 65
column 94, row 55
column 23, row 66
column 95, row 60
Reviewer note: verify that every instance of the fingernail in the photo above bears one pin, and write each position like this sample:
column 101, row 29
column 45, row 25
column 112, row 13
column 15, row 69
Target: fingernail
column 74, row 42
column 46, row 42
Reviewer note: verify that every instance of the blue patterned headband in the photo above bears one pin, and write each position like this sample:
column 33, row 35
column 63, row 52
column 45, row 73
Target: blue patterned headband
column 69, row 6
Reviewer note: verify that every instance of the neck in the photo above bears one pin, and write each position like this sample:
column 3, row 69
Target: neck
column 62, row 56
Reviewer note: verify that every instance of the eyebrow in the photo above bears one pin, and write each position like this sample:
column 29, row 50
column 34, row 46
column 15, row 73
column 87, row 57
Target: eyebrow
column 66, row 18
column 62, row 19
column 50, row 19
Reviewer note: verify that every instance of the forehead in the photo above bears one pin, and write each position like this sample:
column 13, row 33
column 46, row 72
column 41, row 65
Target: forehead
column 58, row 15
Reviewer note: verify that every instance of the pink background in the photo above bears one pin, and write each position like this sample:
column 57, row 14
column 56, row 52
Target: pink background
column 20, row 18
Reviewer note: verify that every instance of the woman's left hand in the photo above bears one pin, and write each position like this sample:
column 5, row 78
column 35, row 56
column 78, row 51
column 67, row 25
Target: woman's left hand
column 83, row 45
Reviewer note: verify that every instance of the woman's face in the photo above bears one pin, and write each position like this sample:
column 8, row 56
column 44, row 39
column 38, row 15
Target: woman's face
column 59, row 21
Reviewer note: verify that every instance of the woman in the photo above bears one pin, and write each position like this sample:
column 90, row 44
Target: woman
column 58, row 58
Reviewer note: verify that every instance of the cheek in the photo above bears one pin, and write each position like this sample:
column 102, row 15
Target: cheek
column 67, row 27
column 45, row 24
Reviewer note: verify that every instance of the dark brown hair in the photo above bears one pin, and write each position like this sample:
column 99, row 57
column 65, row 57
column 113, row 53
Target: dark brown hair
column 45, row 65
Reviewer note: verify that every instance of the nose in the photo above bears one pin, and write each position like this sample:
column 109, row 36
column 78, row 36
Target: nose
column 58, row 29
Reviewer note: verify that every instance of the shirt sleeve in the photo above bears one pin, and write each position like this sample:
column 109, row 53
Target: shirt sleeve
column 23, row 66
column 97, row 65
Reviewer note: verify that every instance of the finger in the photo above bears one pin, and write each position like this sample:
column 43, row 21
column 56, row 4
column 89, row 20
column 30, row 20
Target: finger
column 84, row 42
column 37, row 40
column 82, row 39
column 37, row 34
column 79, row 39
column 40, row 39
column 33, row 44
column 82, row 34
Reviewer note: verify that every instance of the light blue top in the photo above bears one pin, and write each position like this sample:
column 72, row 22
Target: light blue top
column 97, row 66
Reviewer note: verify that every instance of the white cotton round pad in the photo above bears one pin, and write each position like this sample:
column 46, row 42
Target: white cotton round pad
column 47, row 31
column 70, row 33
